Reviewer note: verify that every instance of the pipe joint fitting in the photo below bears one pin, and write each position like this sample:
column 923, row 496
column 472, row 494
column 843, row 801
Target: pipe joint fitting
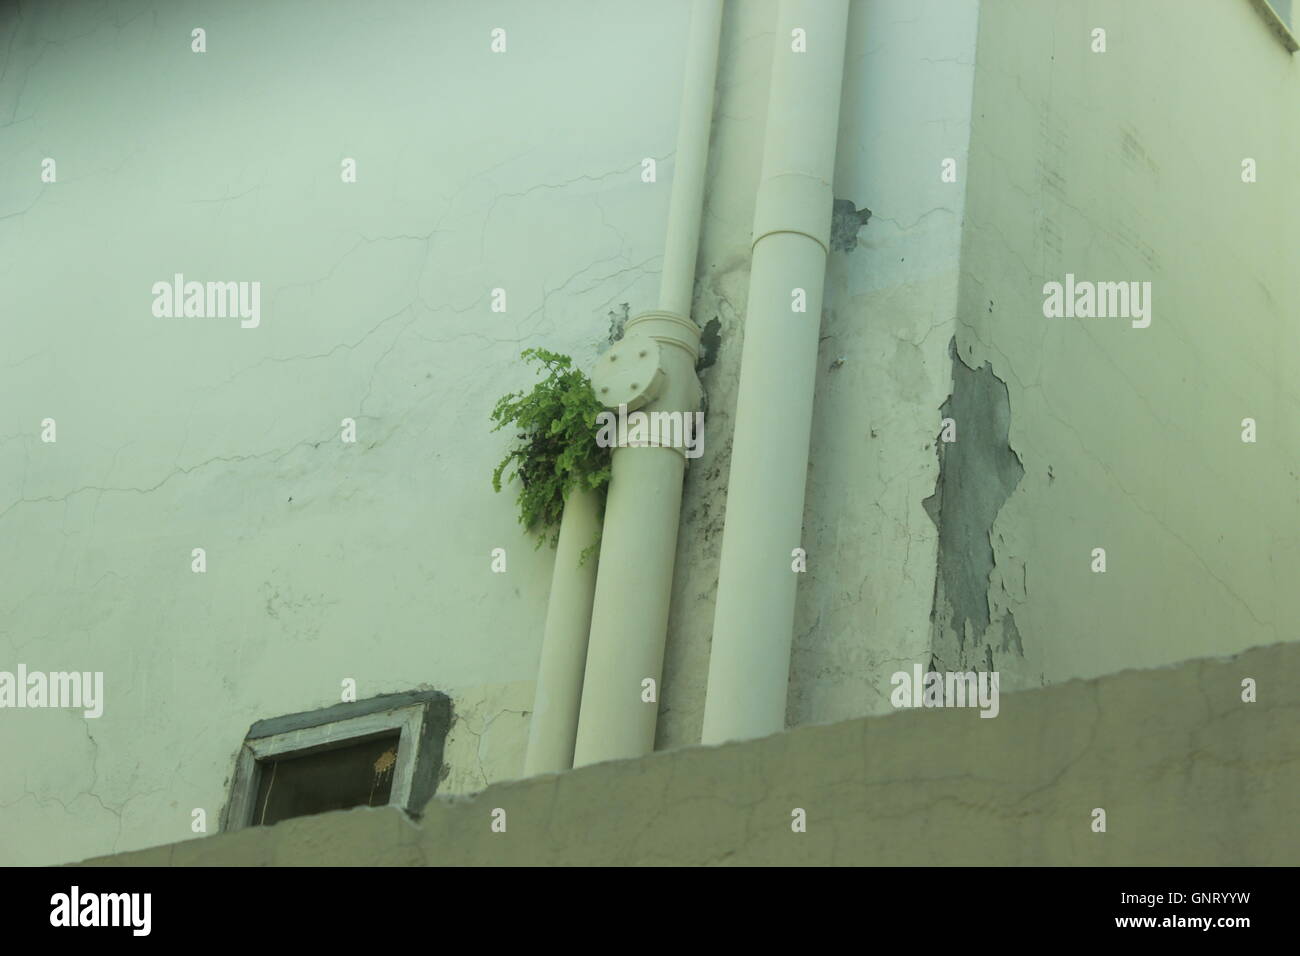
column 794, row 202
column 668, row 328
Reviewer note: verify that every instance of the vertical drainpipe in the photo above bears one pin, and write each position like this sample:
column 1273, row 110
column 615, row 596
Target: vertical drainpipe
column 651, row 369
column 554, row 723
column 754, row 617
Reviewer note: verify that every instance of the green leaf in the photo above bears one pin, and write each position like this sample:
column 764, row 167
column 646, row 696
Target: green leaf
column 555, row 427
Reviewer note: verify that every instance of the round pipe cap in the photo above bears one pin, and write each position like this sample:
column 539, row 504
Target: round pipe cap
column 630, row 373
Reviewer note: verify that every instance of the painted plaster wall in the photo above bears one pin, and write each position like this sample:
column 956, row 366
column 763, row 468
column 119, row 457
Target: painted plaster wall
column 1126, row 165
column 522, row 171
column 325, row 560
column 371, row 561
column 1210, row 780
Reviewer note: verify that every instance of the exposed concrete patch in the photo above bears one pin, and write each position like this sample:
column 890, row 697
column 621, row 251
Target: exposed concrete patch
column 1011, row 635
column 977, row 474
column 710, row 343
column 846, row 221
column 617, row 320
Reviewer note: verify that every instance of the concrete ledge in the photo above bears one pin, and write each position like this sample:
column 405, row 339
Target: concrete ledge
column 1187, row 773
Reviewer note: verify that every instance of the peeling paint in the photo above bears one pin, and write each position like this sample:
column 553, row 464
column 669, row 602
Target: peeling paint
column 617, row 320
column 846, row 221
column 977, row 474
column 710, row 343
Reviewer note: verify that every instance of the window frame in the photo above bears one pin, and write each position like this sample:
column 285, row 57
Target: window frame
column 420, row 718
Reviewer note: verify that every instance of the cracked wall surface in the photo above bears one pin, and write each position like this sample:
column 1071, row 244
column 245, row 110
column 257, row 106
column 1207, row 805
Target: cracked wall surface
column 1209, row 780
column 325, row 560
column 1130, row 439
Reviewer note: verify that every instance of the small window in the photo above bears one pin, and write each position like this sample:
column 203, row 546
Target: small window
column 354, row 774
column 387, row 750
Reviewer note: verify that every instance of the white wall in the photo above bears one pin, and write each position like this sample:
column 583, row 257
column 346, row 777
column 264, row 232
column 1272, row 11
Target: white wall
column 325, row 560
column 1127, row 166
column 522, row 171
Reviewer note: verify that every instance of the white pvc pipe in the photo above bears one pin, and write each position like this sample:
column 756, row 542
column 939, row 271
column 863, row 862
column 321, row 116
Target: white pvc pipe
column 629, row 622
column 754, row 616
column 690, row 162
column 554, row 724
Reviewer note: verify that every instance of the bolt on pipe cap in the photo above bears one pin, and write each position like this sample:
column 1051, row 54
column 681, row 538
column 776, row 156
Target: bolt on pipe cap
column 630, row 373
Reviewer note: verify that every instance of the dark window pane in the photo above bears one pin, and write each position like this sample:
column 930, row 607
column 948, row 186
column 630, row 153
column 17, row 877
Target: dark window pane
column 353, row 775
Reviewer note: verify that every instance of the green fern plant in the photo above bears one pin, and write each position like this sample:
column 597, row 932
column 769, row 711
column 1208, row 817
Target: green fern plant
column 557, row 449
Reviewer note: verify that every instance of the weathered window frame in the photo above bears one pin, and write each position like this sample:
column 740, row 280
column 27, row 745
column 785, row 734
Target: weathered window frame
column 422, row 719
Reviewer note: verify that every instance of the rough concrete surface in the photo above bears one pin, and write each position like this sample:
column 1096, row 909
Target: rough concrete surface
column 1187, row 773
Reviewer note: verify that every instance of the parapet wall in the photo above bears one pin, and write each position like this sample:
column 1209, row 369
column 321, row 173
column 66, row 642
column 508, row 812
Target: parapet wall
column 1186, row 771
